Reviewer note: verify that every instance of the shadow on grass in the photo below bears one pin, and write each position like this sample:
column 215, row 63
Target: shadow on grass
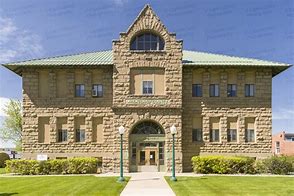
column 7, row 194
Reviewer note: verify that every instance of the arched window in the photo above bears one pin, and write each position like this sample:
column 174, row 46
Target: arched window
column 147, row 41
column 147, row 127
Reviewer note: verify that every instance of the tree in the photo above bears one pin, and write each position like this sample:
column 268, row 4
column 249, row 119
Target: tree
column 12, row 125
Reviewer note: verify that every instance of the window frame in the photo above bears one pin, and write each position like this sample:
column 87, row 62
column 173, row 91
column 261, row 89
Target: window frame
column 148, row 88
column 78, row 136
column 61, row 136
column 194, row 92
column 212, row 135
column 248, row 138
column 230, row 92
column 248, row 86
column 98, row 95
column 230, row 135
column 212, row 87
column 195, row 133
column 79, row 90
column 147, row 43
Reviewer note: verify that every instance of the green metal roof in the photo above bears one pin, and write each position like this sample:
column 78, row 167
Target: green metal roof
column 190, row 58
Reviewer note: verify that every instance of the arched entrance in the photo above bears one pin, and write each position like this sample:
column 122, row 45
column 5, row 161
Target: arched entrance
column 147, row 147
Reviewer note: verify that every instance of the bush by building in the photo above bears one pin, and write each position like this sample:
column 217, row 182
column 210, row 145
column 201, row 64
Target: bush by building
column 3, row 158
column 275, row 165
column 244, row 165
column 54, row 166
column 223, row 165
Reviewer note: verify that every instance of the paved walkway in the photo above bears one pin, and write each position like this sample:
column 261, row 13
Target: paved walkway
column 147, row 183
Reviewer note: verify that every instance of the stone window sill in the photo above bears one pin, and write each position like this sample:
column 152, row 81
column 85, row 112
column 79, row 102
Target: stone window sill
column 148, row 51
column 148, row 96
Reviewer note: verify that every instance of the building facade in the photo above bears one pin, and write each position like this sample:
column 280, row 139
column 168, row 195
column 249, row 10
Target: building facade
column 283, row 144
column 73, row 105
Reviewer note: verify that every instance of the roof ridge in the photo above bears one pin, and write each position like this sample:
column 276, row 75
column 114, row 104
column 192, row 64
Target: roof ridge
column 53, row 57
column 245, row 58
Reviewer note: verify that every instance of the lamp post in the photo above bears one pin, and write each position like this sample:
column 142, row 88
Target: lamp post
column 121, row 131
column 173, row 131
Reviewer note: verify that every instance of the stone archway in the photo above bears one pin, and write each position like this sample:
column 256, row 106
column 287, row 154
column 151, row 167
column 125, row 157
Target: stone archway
column 147, row 141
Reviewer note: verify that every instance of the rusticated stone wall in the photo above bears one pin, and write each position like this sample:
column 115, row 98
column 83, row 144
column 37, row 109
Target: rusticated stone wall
column 241, row 107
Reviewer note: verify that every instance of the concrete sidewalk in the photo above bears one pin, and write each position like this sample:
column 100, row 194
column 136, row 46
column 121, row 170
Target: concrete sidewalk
column 147, row 183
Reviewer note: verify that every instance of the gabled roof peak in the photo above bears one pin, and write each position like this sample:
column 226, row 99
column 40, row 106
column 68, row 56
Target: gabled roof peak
column 147, row 8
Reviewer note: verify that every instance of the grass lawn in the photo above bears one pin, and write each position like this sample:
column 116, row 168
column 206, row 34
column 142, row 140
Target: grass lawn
column 61, row 185
column 231, row 185
column 2, row 170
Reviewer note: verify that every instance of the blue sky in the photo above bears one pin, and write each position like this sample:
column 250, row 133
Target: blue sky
column 262, row 29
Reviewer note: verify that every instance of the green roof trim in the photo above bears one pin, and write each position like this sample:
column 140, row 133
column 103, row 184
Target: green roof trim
column 190, row 58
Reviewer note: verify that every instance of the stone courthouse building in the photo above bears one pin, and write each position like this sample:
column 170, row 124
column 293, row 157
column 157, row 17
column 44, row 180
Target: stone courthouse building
column 73, row 105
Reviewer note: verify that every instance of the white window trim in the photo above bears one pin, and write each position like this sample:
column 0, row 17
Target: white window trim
column 142, row 87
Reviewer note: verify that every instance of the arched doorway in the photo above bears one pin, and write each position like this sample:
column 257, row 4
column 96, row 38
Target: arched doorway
column 147, row 147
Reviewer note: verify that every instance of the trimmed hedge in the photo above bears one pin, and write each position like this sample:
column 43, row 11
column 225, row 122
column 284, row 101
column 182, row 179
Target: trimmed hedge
column 223, row 165
column 3, row 158
column 54, row 166
column 244, row 165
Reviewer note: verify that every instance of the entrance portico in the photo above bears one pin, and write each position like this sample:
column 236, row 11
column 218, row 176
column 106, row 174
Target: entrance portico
column 147, row 141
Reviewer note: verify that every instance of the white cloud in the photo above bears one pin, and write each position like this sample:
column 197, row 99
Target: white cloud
column 120, row 2
column 16, row 43
column 283, row 114
column 3, row 102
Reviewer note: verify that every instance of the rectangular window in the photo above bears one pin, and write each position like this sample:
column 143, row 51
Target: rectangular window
column 80, row 135
column 196, row 90
column 197, row 135
column 214, row 129
column 232, row 129
column 278, row 150
column 232, row 135
column 62, row 135
column 214, row 135
column 249, row 135
column 97, row 90
column 249, row 129
column 249, row 90
column 232, row 90
column 44, row 130
column 97, row 129
column 147, row 87
column 214, row 90
column 80, row 90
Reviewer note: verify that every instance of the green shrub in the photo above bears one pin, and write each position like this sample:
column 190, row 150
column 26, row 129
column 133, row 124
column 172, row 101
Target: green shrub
column 275, row 165
column 222, row 165
column 3, row 157
column 54, row 166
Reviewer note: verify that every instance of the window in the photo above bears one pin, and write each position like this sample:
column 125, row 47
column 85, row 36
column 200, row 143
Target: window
column 214, row 90
column 147, row 41
column 232, row 90
column 161, row 153
column 249, row 135
column 197, row 135
column 249, row 90
column 62, row 135
column 43, row 130
column 196, row 90
column 232, row 135
column 214, row 135
column 80, row 135
column 278, row 150
column 97, row 90
column 147, row 87
column 80, row 90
